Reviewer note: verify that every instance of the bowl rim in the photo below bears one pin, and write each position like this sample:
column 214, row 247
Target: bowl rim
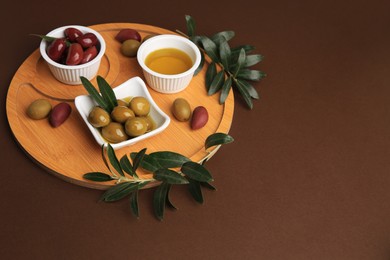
column 95, row 132
column 163, row 37
column 43, row 45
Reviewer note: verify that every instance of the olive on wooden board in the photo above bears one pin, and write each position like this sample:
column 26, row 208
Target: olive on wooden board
column 200, row 117
column 114, row 133
column 136, row 126
column 181, row 109
column 140, row 106
column 98, row 117
column 59, row 114
column 39, row 109
column 130, row 47
column 121, row 113
column 127, row 34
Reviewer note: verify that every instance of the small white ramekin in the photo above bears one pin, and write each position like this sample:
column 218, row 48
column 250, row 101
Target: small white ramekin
column 71, row 74
column 168, row 83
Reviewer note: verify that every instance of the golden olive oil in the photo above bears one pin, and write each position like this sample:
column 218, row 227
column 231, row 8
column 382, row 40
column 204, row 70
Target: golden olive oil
column 168, row 61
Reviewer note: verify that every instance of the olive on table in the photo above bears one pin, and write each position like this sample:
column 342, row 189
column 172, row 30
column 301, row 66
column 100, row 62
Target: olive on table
column 136, row 126
column 39, row 109
column 98, row 117
column 181, row 109
column 121, row 113
column 114, row 133
column 130, row 47
column 140, row 106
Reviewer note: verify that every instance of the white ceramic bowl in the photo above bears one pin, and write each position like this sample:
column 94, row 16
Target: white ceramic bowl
column 168, row 83
column 130, row 88
column 71, row 74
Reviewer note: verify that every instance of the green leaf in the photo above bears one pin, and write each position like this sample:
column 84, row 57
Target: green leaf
column 169, row 159
column 247, row 49
column 201, row 64
column 210, row 74
column 168, row 200
column 210, row 48
column 244, row 93
column 240, row 62
column 254, row 75
column 196, row 171
column 138, row 159
column 191, row 26
column 169, row 176
column 134, row 203
column 251, row 90
column 217, row 139
column 107, row 93
column 126, row 165
column 97, row 176
column 148, row 163
column 114, row 160
column 195, row 191
column 225, row 90
column 94, row 93
column 218, row 37
column 121, row 190
column 224, row 53
column 252, row 60
column 207, row 185
column 159, row 200
column 196, row 39
column 217, row 83
column 104, row 158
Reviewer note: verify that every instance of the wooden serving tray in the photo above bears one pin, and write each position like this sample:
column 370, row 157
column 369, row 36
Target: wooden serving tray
column 70, row 151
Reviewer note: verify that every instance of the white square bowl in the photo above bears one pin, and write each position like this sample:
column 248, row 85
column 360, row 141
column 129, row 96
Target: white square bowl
column 130, row 88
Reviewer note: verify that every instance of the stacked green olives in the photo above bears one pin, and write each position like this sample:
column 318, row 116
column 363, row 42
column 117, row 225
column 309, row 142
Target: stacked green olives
column 127, row 120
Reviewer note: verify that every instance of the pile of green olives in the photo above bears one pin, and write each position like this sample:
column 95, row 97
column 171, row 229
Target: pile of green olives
column 127, row 120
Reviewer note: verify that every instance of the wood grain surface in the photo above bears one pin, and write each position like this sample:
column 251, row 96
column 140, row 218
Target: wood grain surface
column 70, row 151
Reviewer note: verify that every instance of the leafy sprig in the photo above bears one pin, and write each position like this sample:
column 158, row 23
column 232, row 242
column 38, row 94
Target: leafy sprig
column 168, row 168
column 235, row 64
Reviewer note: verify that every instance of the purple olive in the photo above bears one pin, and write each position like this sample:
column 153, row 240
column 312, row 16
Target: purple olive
column 127, row 34
column 56, row 49
column 87, row 40
column 72, row 33
column 75, row 54
column 89, row 54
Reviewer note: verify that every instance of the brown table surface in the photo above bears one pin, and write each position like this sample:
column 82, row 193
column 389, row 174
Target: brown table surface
column 306, row 178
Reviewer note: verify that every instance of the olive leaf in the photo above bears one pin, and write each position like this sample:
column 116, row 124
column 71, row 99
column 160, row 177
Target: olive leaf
column 196, row 171
column 244, row 93
column 167, row 159
column 190, row 25
column 195, row 191
column 94, row 93
column 168, row 200
column 251, row 90
column 254, row 75
column 201, row 64
column 114, row 160
column 225, row 90
column 126, row 165
column 252, row 59
column 217, row 139
column 169, row 176
column 148, row 163
column 210, row 74
column 134, row 203
column 224, row 53
column 217, row 83
column 159, row 200
column 97, row 176
column 121, row 190
column 210, row 48
column 240, row 62
column 207, row 185
column 138, row 159
column 107, row 93
column 226, row 35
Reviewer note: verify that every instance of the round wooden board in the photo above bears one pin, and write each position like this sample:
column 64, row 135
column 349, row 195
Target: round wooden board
column 70, row 151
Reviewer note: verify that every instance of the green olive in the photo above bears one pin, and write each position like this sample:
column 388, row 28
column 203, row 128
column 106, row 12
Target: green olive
column 120, row 114
column 181, row 109
column 114, row 133
column 140, row 106
column 121, row 102
column 149, row 123
column 98, row 117
column 130, row 47
column 39, row 109
column 136, row 126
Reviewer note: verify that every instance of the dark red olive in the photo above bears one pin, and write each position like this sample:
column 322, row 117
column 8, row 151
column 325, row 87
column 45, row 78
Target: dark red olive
column 89, row 54
column 56, row 49
column 87, row 40
column 72, row 33
column 75, row 54
column 127, row 34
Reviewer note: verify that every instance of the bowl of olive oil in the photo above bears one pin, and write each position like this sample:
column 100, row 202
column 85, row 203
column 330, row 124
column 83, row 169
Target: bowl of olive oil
column 168, row 62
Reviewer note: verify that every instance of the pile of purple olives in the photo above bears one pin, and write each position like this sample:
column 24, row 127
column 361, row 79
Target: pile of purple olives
column 74, row 48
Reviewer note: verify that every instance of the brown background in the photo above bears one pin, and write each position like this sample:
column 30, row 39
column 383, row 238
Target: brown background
column 307, row 177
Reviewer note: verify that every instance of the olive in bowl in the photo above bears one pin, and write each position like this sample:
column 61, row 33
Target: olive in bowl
column 73, row 51
column 137, row 129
